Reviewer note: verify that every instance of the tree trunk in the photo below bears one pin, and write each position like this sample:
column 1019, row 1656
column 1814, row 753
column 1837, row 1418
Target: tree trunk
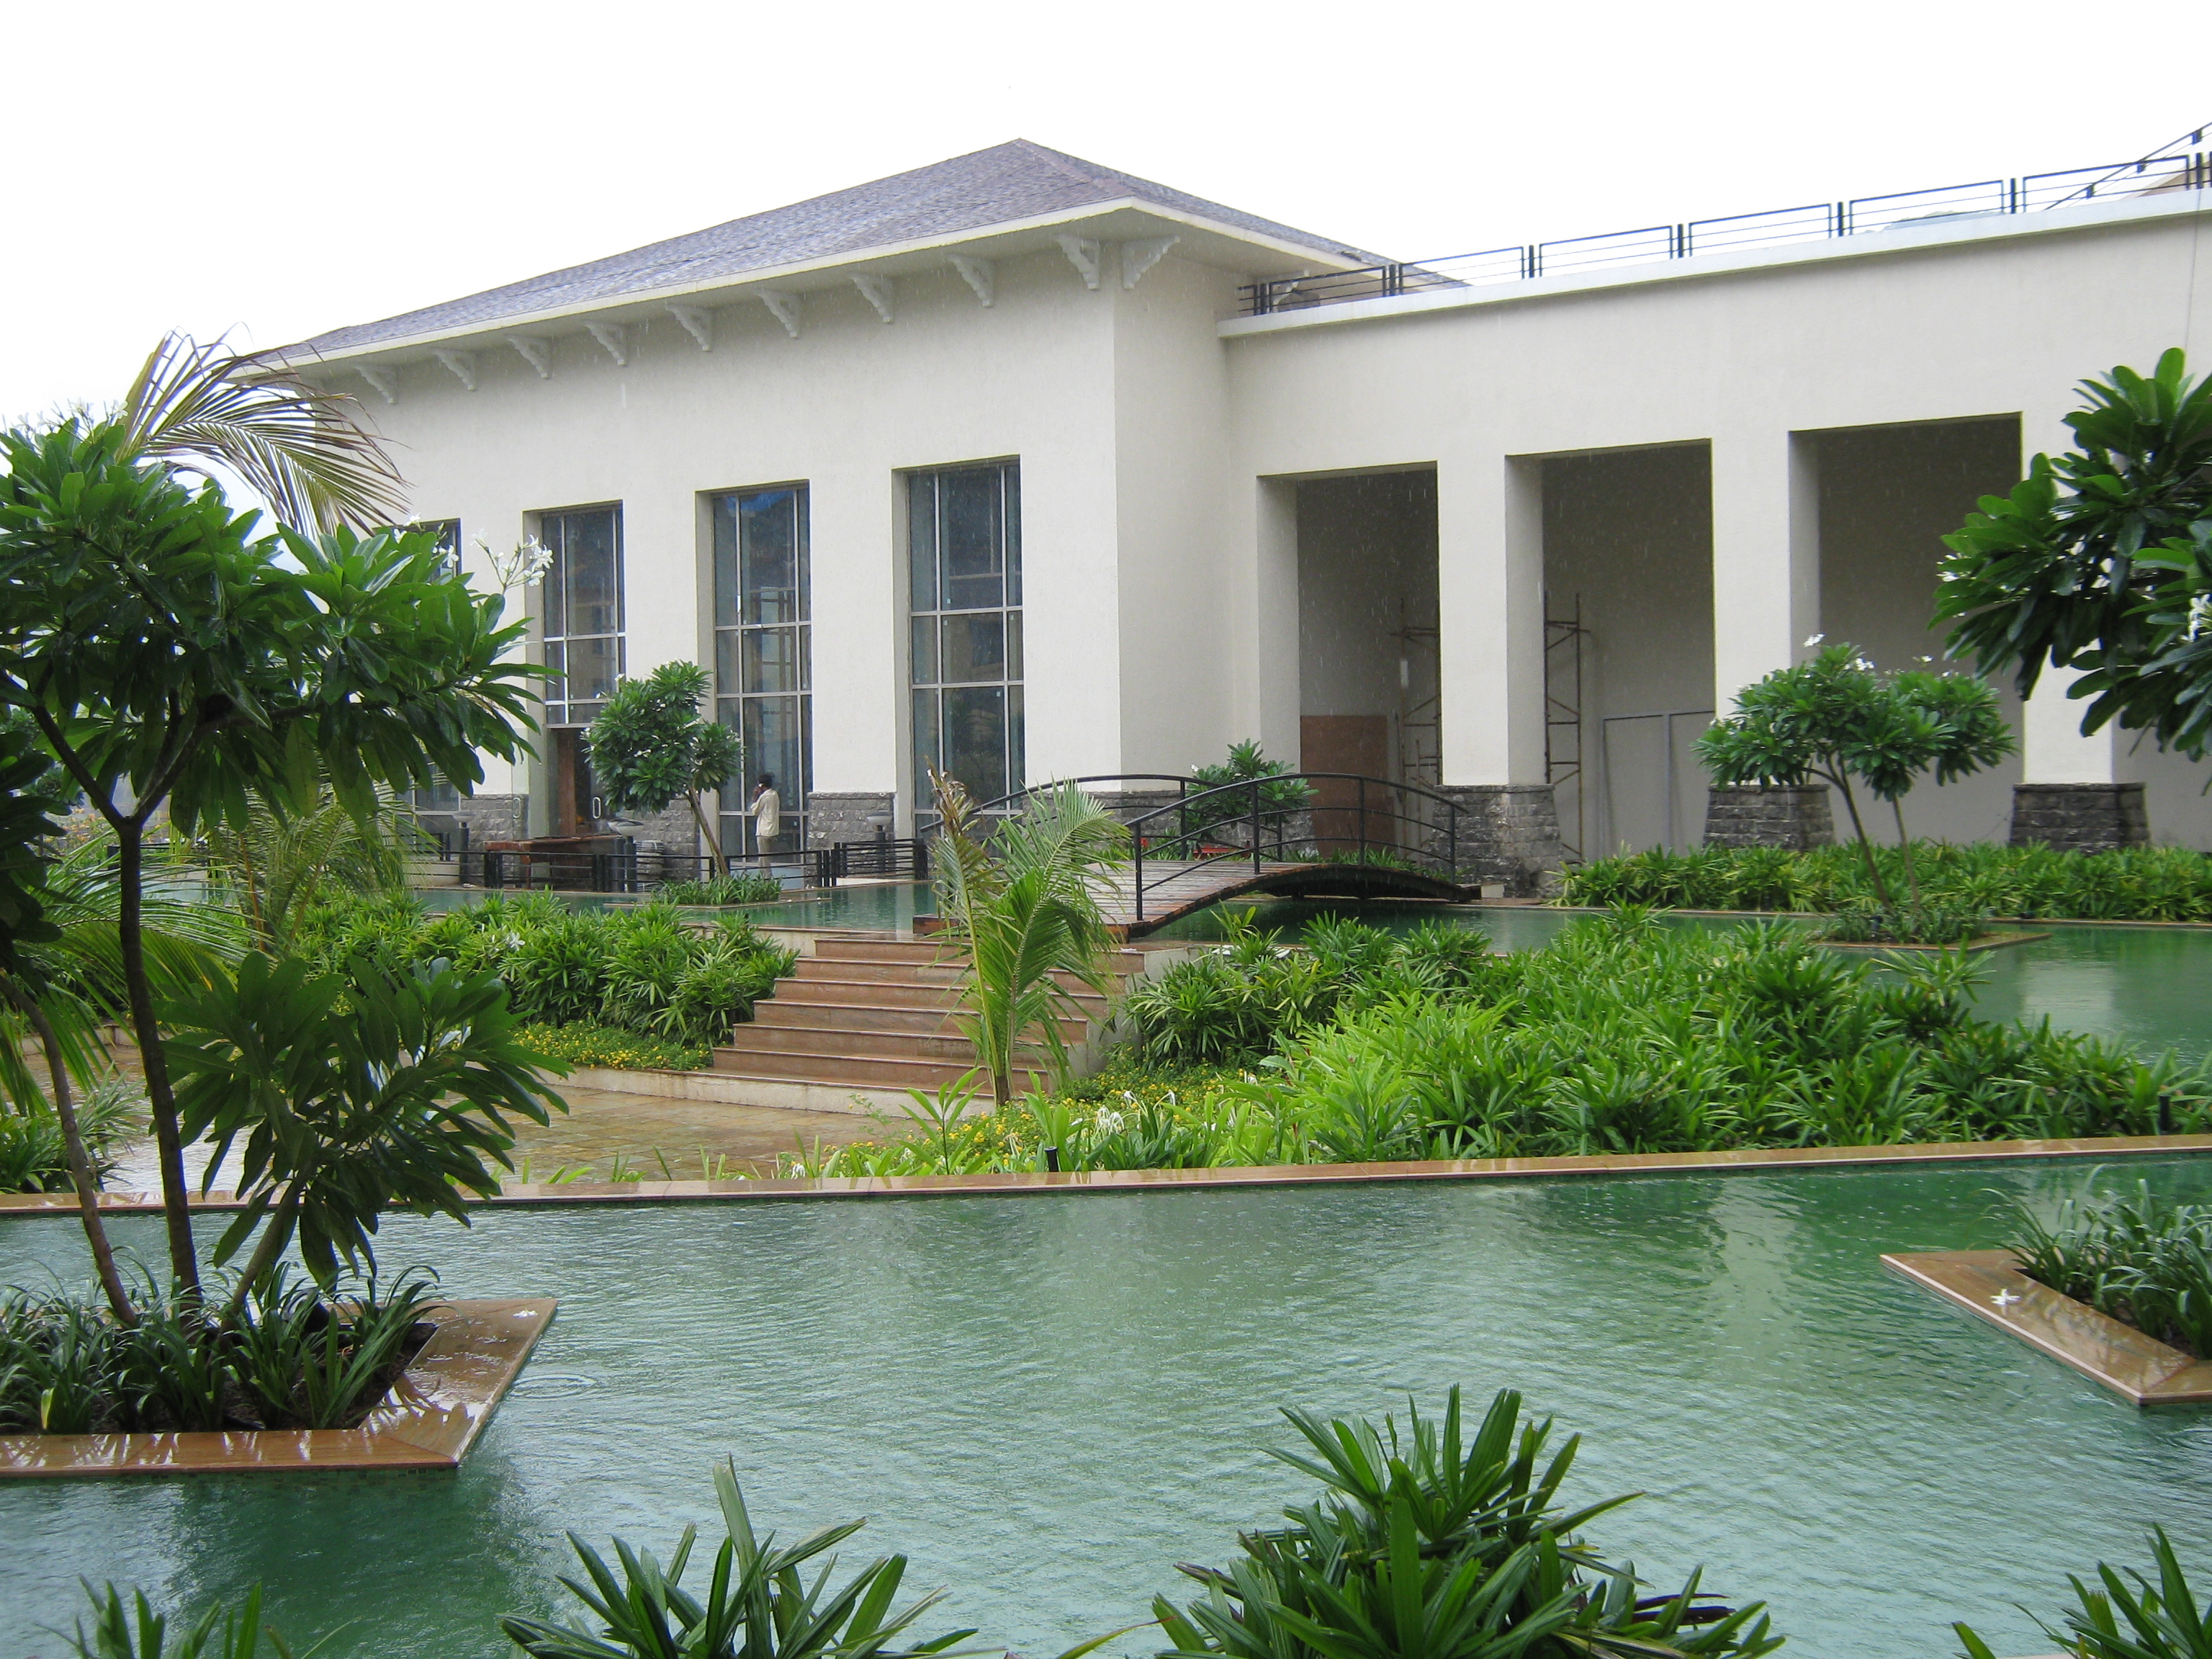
column 80, row 1161
column 1866, row 846
column 176, row 1191
column 1912, row 875
column 721, row 865
column 274, row 1237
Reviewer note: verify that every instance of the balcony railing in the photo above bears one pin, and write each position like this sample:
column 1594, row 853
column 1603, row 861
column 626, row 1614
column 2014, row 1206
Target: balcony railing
column 2175, row 169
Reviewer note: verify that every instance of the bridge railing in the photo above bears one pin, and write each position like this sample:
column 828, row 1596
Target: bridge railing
column 1293, row 818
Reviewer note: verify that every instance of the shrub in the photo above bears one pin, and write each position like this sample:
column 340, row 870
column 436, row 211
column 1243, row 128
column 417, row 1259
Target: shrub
column 672, row 988
column 2143, row 1261
column 33, row 1157
column 736, row 887
column 1621, row 1036
column 2131, row 883
column 296, row 1357
column 2127, row 1617
column 1427, row 1531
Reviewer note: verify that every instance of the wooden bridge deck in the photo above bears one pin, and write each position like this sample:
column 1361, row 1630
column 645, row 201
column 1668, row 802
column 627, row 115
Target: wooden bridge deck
column 1174, row 889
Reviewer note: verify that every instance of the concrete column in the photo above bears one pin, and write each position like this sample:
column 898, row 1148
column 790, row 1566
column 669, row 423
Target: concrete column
column 1767, row 557
column 1490, row 572
column 1489, row 578
column 1267, row 703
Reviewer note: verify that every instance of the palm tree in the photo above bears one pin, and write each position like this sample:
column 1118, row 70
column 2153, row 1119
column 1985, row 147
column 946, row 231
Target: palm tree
column 272, row 866
column 299, row 447
column 1025, row 905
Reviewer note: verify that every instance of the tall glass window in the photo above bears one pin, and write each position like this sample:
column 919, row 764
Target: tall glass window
column 964, row 575
column 583, row 611
column 764, row 661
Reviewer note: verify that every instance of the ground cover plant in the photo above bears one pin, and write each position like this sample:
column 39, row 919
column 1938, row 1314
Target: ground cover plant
column 294, row 1357
column 1622, row 1035
column 643, row 972
column 2132, row 883
column 2141, row 1260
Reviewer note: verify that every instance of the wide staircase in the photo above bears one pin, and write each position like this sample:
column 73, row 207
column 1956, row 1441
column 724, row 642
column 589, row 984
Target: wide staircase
column 874, row 1017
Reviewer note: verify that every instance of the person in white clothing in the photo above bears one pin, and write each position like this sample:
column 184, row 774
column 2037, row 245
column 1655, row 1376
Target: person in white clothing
column 766, row 810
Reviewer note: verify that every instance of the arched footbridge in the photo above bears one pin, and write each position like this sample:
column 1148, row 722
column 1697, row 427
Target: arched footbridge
column 1297, row 834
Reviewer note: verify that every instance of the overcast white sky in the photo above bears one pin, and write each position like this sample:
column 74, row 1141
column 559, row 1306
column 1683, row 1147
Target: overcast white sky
column 277, row 169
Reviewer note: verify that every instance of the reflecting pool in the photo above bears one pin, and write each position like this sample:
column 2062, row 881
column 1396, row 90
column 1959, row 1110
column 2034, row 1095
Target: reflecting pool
column 1050, row 1401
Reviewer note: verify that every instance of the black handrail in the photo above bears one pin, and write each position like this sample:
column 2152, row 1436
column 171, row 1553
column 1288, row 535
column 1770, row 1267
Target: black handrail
column 2178, row 166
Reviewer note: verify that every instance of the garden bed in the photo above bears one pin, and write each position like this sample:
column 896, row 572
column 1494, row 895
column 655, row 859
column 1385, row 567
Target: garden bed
column 1989, row 1285
column 429, row 1420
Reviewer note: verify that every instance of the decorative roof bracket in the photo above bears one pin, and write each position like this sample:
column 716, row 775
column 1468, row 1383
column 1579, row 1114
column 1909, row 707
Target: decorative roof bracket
column 786, row 307
column 384, row 379
column 1082, row 252
column 611, row 337
column 698, row 322
column 537, row 353
column 462, row 363
column 977, row 274
column 1138, row 258
column 876, row 291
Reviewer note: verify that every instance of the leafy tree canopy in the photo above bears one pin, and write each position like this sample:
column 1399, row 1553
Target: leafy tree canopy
column 650, row 745
column 2101, row 560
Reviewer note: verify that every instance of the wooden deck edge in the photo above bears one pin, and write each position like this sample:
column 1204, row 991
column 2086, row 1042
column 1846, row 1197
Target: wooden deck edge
column 429, row 1421
column 2138, row 1368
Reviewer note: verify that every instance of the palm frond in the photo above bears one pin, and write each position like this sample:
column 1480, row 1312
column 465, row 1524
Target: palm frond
column 300, row 447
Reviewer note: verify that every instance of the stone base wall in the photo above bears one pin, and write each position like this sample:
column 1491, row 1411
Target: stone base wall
column 1769, row 816
column 1509, row 833
column 832, row 817
column 493, row 817
column 2079, row 817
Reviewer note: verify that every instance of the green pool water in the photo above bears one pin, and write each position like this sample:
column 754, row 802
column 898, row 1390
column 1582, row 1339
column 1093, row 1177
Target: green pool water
column 1050, row 1401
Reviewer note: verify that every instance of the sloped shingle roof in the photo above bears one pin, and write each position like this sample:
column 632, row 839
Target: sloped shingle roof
column 999, row 185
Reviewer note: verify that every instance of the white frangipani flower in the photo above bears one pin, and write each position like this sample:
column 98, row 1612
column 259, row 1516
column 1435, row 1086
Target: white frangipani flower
column 1814, row 640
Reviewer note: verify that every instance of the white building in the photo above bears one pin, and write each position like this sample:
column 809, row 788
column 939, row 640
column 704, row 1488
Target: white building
column 1025, row 466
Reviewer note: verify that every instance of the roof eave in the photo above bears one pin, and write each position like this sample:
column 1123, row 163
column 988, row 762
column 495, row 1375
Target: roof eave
column 769, row 275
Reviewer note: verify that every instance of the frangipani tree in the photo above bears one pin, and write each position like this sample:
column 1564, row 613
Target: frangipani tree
column 175, row 659
column 2101, row 560
column 1836, row 720
column 651, row 746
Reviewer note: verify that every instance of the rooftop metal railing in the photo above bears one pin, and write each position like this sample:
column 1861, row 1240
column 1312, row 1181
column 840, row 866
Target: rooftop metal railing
column 2176, row 168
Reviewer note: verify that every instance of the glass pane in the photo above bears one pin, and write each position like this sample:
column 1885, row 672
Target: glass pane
column 975, row 547
column 1017, row 766
column 921, row 543
column 925, row 651
column 805, row 569
column 1013, row 474
column 594, row 665
column 771, row 659
column 727, row 677
column 773, row 744
column 805, row 650
column 975, row 646
column 771, row 561
column 976, row 739
column 594, row 572
column 926, row 753
column 550, row 591
column 557, row 689
column 1013, row 645
column 726, row 561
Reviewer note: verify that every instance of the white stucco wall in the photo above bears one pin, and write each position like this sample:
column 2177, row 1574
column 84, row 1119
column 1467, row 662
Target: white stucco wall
column 1949, row 323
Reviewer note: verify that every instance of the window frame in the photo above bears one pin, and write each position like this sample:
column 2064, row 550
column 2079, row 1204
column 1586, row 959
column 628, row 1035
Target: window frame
column 937, row 680
column 737, row 645
column 563, row 709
